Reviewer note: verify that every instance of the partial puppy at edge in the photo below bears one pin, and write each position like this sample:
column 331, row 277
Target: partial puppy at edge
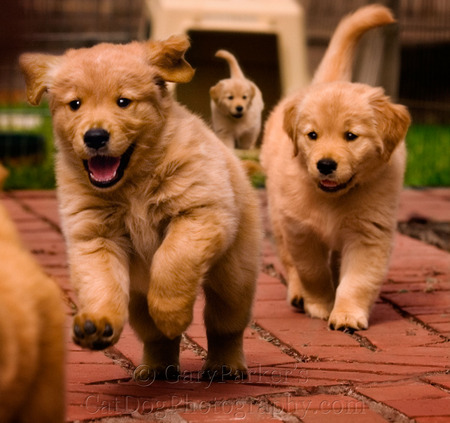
column 334, row 154
column 236, row 107
column 31, row 334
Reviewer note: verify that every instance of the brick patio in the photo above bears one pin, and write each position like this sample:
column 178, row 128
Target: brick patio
column 398, row 370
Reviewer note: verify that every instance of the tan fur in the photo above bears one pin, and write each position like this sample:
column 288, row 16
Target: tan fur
column 334, row 232
column 236, row 107
column 182, row 216
column 31, row 336
column 3, row 175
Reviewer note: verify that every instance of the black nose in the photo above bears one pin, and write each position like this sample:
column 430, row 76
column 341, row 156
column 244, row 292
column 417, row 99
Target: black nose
column 239, row 109
column 96, row 138
column 326, row 166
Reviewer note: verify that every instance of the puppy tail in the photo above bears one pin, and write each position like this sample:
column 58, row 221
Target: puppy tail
column 337, row 62
column 3, row 175
column 235, row 70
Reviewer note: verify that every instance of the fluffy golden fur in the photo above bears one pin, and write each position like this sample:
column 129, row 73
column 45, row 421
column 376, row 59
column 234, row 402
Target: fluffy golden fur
column 236, row 107
column 153, row 205
column 31, row 335
column 334, row 155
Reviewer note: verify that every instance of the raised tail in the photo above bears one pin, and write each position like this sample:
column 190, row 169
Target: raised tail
column 235, row 70
column 337, row 62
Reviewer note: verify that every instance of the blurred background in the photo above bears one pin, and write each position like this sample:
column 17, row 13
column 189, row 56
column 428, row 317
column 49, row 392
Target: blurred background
column 277, row 42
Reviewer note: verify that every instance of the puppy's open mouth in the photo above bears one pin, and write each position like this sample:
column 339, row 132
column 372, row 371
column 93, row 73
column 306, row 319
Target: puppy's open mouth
column 237, row 115
column 329, row 185
column 106, row 171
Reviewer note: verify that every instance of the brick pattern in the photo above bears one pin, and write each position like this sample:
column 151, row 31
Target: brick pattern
column 397, row 370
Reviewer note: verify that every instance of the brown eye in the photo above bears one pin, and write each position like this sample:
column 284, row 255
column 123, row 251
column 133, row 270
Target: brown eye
column 312, row 135
column 350, row 136
column 75, row 105
column 230, row 97
column 123, row 102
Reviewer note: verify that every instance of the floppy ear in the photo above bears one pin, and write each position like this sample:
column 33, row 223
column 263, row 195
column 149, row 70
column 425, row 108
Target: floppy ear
column 253, row 89
column 37, row 69
column 168, row 56
column 214, row 91
column 290, row 122
column 393, row 121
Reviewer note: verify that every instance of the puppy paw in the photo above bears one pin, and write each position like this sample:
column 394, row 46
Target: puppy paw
column 348, row 319
column 318, row 310
column 95, row 333
column 295, row 298
column 171, row 322
column 220, row 372
column 298, row 303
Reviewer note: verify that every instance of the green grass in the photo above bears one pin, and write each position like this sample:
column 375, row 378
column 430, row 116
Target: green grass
column 31, row 176
column 428, row 156
column 32, row 173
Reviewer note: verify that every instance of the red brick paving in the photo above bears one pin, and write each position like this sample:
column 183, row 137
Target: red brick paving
column 398, row 370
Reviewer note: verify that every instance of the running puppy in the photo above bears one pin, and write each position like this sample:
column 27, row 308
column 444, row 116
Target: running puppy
column 236, row 107
column 334, row 154
column 153, row 205
column 31, row 335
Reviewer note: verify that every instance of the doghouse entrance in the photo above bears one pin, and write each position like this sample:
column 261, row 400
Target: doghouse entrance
column 256, row 53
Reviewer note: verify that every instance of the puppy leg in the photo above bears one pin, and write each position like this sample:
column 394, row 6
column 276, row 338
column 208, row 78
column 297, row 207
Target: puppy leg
column 180, row 264
column 161, row 355
column 314, row 281
column 294, row 288
column 363, row 269
column 247, row 140
column 294, row 285
column 226, row 136
column 229, row 295
column 99, row 273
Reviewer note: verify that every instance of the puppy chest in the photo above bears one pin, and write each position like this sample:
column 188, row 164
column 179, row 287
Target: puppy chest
column 327, row 227
column 146, row 232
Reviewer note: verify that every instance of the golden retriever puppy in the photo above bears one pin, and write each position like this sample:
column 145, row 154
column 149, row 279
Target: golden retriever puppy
column 153, row 205
column 236, row 107
column 334, row 155
column 31, row 335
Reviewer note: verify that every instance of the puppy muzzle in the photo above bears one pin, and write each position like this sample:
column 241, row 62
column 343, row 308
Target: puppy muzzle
column 104, row 171
column 327, row 183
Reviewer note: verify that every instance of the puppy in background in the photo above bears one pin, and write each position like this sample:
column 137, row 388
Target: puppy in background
column 236, row 107
column 154, row 206
column 31, row 335
column 334, row 155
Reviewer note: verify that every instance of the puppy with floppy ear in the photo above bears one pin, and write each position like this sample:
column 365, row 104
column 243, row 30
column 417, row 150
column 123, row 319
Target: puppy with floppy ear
column 236, row 107
column 31, row 334
column 334, row 155
column 140, row 178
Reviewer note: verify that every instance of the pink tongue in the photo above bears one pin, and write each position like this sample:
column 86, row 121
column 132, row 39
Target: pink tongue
column 103, row 168
column 328, row 183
